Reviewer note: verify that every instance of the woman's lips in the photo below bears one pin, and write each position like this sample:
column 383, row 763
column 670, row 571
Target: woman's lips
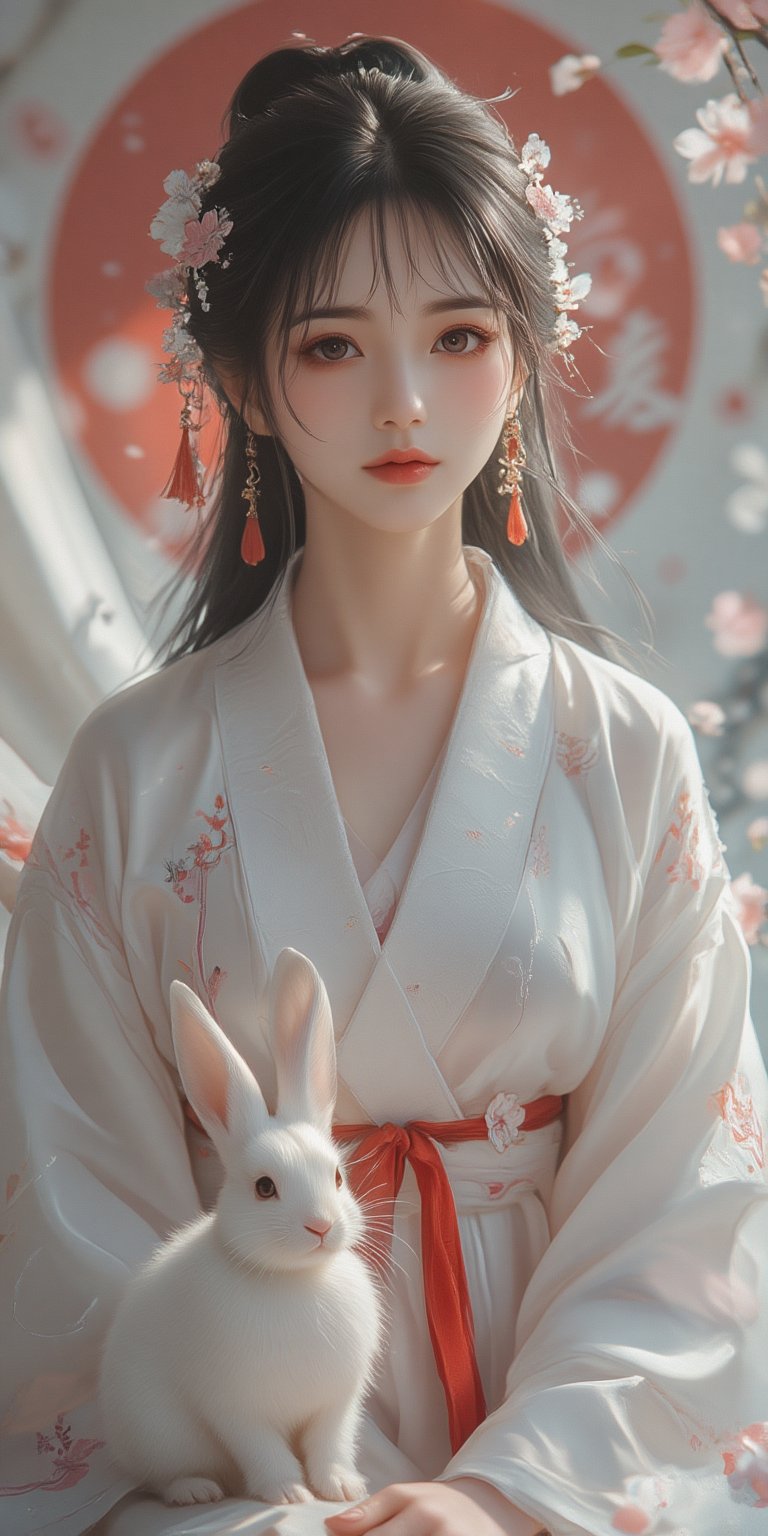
column 401, row 474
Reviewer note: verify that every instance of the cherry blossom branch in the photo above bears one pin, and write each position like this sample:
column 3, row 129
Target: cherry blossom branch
column 737, row 69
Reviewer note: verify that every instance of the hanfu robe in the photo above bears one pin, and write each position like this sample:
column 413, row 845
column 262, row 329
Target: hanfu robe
column 566, row 927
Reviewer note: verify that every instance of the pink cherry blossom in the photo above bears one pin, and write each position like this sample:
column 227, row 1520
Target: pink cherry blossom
column 171, row 219
column 741, row 242
column 739, row 624
column 757, row 833
column 754, row 779
column 691, row 45
column 720, row 144
column 203, row 238
column 750, row 903
column 572, row 71
column 554, row 208
column 706, row 717
column 566, row 333
column 503, row 1116
column 748, row 14
column 535, row 155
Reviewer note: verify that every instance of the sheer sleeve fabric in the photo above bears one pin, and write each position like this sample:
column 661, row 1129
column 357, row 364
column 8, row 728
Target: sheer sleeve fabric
column 640, row 1381
column 94, row 1159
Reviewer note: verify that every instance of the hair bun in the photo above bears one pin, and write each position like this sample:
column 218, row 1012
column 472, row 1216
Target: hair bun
column 288, row 69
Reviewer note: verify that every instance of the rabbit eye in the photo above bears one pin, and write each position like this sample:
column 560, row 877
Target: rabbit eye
column 265, row 1188
column 339, row 1179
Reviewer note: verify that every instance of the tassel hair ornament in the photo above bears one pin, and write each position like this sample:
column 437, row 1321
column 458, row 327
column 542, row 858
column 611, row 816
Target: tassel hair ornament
column 512, row 462
column 194, row 239
column 252, row 543
column 185, row 482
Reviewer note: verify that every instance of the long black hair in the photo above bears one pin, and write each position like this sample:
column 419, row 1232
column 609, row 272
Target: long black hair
column 315, row 138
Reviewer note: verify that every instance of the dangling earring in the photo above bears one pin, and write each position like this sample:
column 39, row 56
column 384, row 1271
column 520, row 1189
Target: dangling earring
column 510, row 475
column 252, row 544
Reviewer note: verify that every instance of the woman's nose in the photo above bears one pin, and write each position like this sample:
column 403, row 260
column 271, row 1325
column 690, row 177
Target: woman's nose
column 400, row 402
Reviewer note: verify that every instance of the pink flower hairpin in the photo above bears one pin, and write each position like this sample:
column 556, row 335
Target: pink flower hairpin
column 556, row 212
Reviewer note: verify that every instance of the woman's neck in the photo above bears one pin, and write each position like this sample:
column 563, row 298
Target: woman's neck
column 386, row 608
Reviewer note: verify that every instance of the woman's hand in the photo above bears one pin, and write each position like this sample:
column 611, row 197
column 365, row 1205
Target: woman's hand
column 435, row 1509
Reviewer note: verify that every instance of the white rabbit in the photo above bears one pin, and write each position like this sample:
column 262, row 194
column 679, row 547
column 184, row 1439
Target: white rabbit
column 241, row 1351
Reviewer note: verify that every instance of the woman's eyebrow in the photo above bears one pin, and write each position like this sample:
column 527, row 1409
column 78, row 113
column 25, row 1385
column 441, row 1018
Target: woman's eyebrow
column 438, row 306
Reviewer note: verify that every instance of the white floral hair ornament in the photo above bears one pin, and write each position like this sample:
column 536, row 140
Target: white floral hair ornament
column 556, row 212
column 193, row 240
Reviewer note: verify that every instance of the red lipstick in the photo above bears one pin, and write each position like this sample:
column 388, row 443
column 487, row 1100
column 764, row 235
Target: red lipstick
column 402, row 466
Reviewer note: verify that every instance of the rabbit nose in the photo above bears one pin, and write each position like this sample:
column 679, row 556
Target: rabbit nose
column 320, row 1228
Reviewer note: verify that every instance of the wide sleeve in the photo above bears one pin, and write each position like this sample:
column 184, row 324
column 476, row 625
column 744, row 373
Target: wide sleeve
column 637, row 1399
column 95, row 1169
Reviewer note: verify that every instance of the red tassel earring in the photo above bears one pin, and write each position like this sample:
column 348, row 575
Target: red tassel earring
column 186, row 477
column 252, row 544
column 510, row 474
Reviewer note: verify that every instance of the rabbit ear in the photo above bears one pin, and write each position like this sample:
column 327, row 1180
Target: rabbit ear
column 220, row 1086
column 302, row 1041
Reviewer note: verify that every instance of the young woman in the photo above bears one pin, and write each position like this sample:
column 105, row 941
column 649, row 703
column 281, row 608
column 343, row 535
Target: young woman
column 386, row 735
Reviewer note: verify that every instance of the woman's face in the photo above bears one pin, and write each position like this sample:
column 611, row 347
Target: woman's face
column 365, row 380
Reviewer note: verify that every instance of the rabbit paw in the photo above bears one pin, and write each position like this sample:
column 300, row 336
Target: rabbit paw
column 338, row 1483
column 193, row 1490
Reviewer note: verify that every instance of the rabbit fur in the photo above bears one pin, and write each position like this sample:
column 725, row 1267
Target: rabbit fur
column 240, row 1354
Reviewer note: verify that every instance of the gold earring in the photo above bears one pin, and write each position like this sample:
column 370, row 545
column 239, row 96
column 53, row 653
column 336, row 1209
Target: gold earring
column 252, row 544
column 510, row 475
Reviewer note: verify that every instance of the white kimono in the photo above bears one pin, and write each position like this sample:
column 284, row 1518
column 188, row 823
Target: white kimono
column 567, row 927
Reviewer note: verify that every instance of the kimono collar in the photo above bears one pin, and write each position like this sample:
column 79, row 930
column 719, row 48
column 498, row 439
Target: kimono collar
column 393, row 1005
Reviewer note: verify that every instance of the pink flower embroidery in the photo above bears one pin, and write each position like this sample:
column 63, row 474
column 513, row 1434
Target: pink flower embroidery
column 691, row 45
column 575, row 754
column 203, row 238
column 74, row 881
column 189, row 878
column 684, row 833
column 740, row 1116
column 15, row 839
column 70, row 1463
column 745, row 1465
column 502, row 1117
column 721, row 143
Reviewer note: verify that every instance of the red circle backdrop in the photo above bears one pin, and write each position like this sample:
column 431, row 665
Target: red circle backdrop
column 633, row 238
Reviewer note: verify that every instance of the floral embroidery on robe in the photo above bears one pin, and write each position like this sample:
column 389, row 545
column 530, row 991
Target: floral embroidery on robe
column 575, row 754
column 70, row 1461
column 681, row 845
column 738, row 1148
column 189, row 878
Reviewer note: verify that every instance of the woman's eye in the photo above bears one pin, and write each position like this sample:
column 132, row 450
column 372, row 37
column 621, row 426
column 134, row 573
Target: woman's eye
column 333, row 349
column 265, row 1188
column 458, row 341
